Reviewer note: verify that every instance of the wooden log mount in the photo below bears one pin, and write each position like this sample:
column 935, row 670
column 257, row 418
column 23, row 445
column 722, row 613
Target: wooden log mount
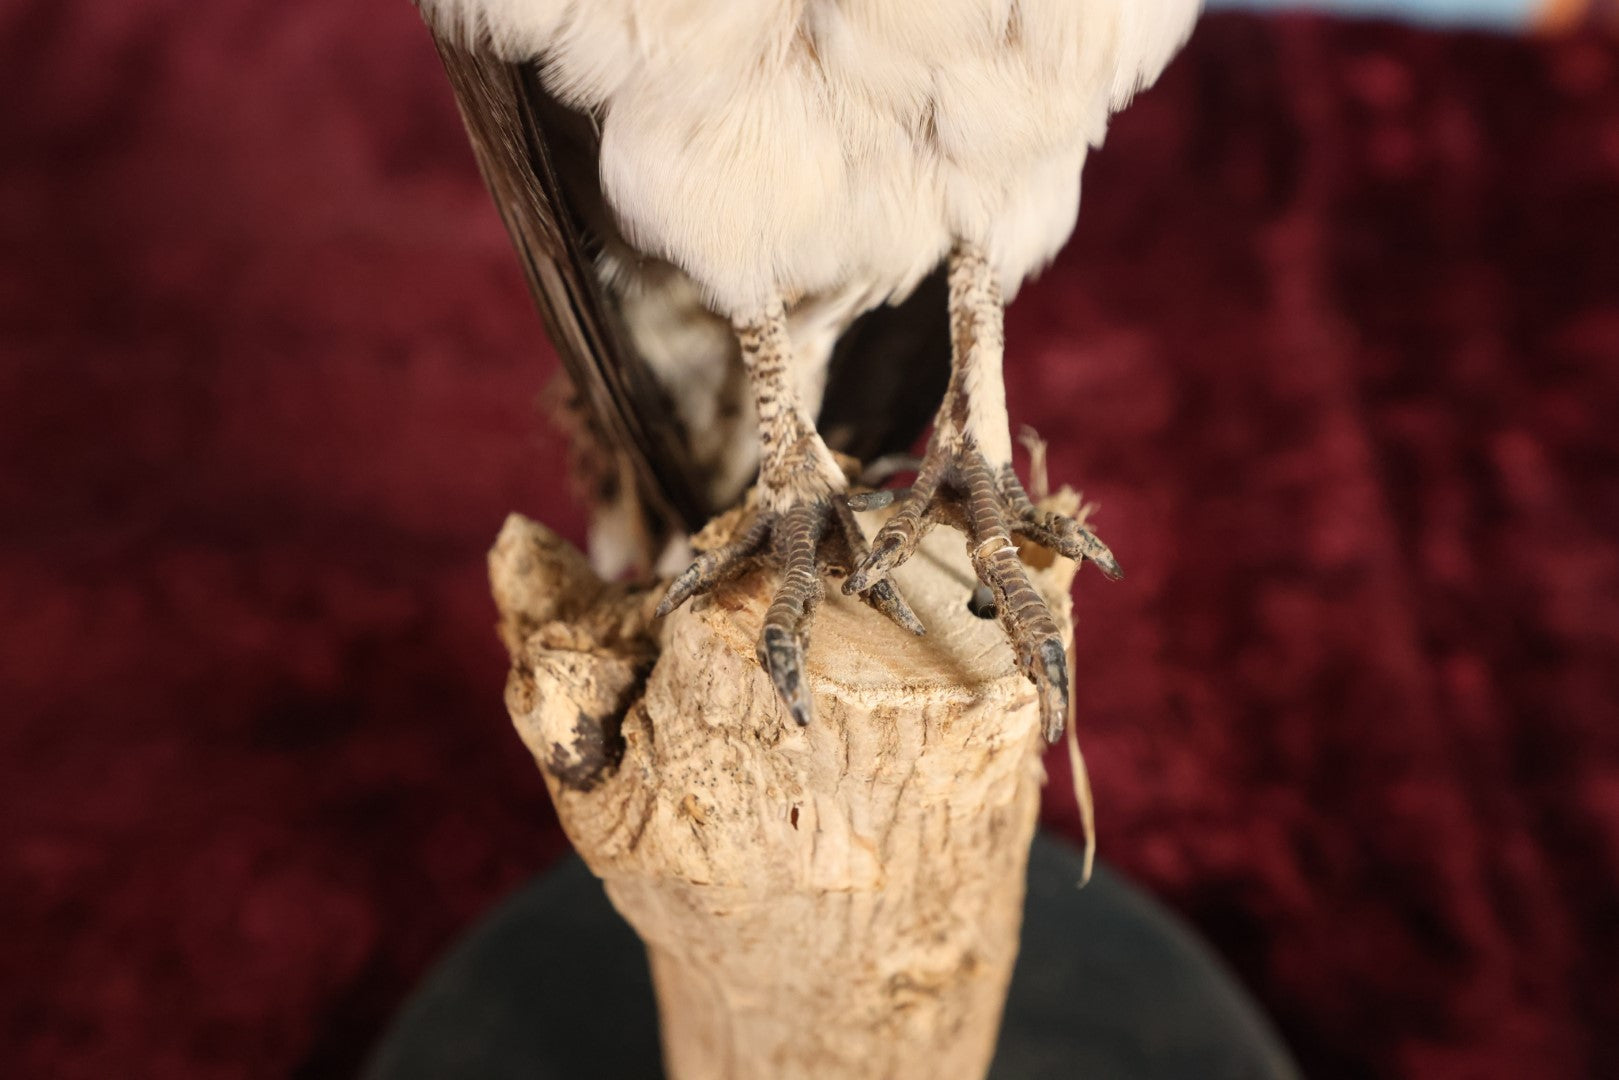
column 835, row 901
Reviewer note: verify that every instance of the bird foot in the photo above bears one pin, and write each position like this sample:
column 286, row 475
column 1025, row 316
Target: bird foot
column 958, row 486
column 809, row 539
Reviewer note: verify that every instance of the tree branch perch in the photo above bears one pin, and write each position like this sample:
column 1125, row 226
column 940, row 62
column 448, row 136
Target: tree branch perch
column 835, row 901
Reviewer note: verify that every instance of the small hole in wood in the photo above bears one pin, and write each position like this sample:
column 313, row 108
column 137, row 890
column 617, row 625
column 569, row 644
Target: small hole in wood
column 793, row 817
column 982, row 602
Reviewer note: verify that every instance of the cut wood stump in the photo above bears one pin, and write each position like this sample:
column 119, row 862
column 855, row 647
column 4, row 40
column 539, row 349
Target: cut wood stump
column 834, row 901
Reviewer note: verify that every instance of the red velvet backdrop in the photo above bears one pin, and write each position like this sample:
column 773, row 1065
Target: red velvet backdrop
column 1336, row 347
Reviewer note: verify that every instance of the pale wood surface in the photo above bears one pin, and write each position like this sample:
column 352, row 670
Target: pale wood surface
column 839, row 900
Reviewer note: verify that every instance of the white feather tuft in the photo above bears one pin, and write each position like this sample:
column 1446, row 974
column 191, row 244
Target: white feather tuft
column 831, row 151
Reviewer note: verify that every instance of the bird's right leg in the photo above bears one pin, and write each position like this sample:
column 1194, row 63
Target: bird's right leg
column 802, row 524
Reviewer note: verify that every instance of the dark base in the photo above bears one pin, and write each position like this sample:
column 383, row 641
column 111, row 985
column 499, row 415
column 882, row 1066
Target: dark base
column 1109, row 986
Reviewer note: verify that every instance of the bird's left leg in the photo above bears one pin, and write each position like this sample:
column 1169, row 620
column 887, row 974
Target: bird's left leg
column 966, row 480
column 802, row 523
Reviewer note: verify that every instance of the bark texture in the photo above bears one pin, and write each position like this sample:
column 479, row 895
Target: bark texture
column 838, row 900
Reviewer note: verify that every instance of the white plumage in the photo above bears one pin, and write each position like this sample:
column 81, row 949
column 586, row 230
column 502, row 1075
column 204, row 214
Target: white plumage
column 775, row 169
column 830, row 152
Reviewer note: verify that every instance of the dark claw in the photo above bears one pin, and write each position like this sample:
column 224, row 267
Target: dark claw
column 1053, row 683
column 886, row 599
column 1083, row 545
column 1106, row 563
column 874, row 566
column 782, row 655
column 712, row 567
column 876, row 500
column 1059, row 532
column 1070, row 539
column 680, row 590
column 809, row 540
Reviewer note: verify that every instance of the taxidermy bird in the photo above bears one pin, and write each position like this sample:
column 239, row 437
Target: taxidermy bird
column 762, row 231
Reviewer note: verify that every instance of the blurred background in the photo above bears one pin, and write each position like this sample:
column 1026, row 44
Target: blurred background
column 1335, row 347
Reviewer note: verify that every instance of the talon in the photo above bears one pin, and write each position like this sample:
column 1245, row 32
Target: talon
column 680, row 590
column 886, row 552
column 1083, row 545
column 886, row 599
column 860, row 581
column 1105, row 562
column 808, row 542
column 875, row 500
column 712, row 567
column 1053, row 683
column 781, row 654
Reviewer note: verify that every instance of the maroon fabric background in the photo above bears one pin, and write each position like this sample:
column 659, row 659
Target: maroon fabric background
column 1336, row 347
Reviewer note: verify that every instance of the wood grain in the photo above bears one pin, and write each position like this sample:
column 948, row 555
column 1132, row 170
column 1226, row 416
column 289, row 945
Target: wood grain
column 841, row 900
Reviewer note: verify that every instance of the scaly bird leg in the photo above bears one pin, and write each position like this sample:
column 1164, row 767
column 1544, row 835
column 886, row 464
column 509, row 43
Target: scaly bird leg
column 803, row 524
column 966, row 480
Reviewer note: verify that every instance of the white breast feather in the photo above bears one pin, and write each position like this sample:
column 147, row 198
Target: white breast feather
column 812, row 148
column 828, row 152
